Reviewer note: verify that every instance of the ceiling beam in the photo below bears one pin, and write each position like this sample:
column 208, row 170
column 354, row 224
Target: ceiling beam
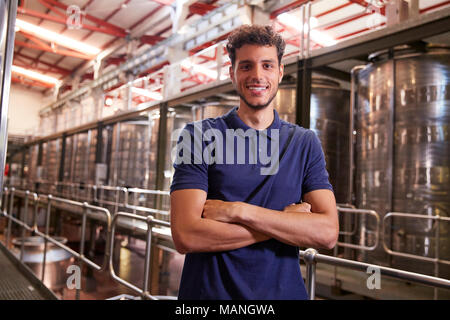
column 53, row 68
column 53, row 9
column 365, row 4
column 65, row 28
column 201, row 8
column 151, row 40
column 96, row 20
column 30, row 82
column 105, row 30
column 21, row 63
column 68, row 53
column 291, row 6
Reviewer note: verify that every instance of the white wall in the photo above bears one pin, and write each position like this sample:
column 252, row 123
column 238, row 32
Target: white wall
column 23, row 110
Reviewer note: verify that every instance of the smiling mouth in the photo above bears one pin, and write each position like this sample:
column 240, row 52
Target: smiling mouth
column 257, row 88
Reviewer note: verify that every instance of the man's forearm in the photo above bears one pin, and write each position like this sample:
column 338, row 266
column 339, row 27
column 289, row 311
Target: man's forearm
column 318, row 229
column 206, row 235
column 294, row 228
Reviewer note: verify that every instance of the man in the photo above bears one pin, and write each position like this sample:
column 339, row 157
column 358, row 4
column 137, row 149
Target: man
column 241, row 229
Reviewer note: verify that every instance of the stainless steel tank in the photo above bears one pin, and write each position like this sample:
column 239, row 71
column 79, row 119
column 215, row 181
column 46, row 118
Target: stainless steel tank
column 83, row 157
column 56, row 263
column 329, row 119
column 213, row 109
column 403, row 153
column 131, row 164
column 51, row 153
column 177, row 119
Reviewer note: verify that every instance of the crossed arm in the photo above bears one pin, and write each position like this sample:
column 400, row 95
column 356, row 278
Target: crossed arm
column 200, row 225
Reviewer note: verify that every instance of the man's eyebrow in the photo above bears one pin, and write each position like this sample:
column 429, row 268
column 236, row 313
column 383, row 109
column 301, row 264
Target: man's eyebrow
column 251, row 61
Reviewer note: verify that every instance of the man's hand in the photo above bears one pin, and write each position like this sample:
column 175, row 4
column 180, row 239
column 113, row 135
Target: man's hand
column 223, row 211
column 298, row 207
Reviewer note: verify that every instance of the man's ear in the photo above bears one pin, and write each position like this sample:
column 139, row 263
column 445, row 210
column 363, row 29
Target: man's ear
column 281, row 72
column 231, row 72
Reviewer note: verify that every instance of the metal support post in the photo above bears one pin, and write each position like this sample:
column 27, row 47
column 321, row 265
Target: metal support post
column 303, row 97
column 148, row 247
column 47, row 227
column 8, row 10
column 10, row 213
column 310, row 260
column 162, row 145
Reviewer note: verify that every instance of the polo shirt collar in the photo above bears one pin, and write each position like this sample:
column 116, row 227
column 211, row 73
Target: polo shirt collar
column 235, row 122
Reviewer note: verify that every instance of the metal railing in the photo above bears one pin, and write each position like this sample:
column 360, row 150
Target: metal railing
column 351, row 233
column 435, row 260
column 162, row 214
column 9, row 195
column 115, row 196
column 49, row 199
column 150, row 222
column 312, row 257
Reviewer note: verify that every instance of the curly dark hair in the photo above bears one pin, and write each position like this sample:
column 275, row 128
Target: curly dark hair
column 254, row 34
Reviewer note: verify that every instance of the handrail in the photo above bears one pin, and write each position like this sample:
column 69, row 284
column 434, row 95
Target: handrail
column 413, row 256
column 349, row 206
column 118, row 190
column 311, row 257
column 137, row 191
column 150, row 221
column 376, row 231
column 95, row 194
column 22, row 222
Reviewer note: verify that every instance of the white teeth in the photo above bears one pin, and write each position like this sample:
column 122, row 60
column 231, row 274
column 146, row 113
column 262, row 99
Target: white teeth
column 257, row 88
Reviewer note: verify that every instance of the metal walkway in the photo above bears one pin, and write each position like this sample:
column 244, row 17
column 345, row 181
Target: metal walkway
column 17, row 282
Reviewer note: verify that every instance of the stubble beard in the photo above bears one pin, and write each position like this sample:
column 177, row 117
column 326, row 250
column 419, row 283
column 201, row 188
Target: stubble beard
column 258, row 106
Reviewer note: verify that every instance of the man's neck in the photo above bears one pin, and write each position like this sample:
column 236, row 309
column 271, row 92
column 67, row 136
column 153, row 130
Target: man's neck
column 256, row 119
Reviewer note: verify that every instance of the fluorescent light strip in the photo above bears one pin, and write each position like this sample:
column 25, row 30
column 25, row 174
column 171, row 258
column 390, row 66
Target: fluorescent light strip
column 34, row 75
column 200, row 69
column 57, row 38
column 317, row 36
column 146, row 93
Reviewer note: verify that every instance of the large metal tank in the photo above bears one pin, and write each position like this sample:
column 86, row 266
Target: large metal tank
column 177, row 119
column 329, row 119
column 56, row 262
column 214, row 109
column 51, row 153
column 83, row 157
column 131, row 163
column 403, row 153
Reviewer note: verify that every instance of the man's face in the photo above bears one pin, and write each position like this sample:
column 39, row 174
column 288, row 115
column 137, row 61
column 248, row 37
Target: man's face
column 256, row 75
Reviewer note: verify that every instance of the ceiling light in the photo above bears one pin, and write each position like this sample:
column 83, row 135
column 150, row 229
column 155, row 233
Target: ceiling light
column 200, row 69
column 56, row 38
column 108, row 101
column 316, row 35
column 34, row 75
column 150, row 94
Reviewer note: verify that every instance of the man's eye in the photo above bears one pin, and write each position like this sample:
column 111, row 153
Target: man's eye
column 268, row 66
column 245, row 67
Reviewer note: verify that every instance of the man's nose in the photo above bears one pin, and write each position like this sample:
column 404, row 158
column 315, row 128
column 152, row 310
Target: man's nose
column 257, row 73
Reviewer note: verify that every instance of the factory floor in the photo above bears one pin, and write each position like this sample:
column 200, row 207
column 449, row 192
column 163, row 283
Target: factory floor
column 17, row 283
column 97, row 285
column 100, row 286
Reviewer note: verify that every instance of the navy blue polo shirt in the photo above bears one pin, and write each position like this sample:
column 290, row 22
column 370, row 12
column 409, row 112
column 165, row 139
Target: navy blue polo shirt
column 269, row 269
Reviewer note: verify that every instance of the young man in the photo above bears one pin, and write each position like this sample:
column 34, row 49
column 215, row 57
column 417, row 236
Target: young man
column 241, row 226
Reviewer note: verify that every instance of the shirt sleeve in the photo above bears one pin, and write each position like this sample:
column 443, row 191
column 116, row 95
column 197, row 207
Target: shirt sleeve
column 316, row 175
column 191, row 172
